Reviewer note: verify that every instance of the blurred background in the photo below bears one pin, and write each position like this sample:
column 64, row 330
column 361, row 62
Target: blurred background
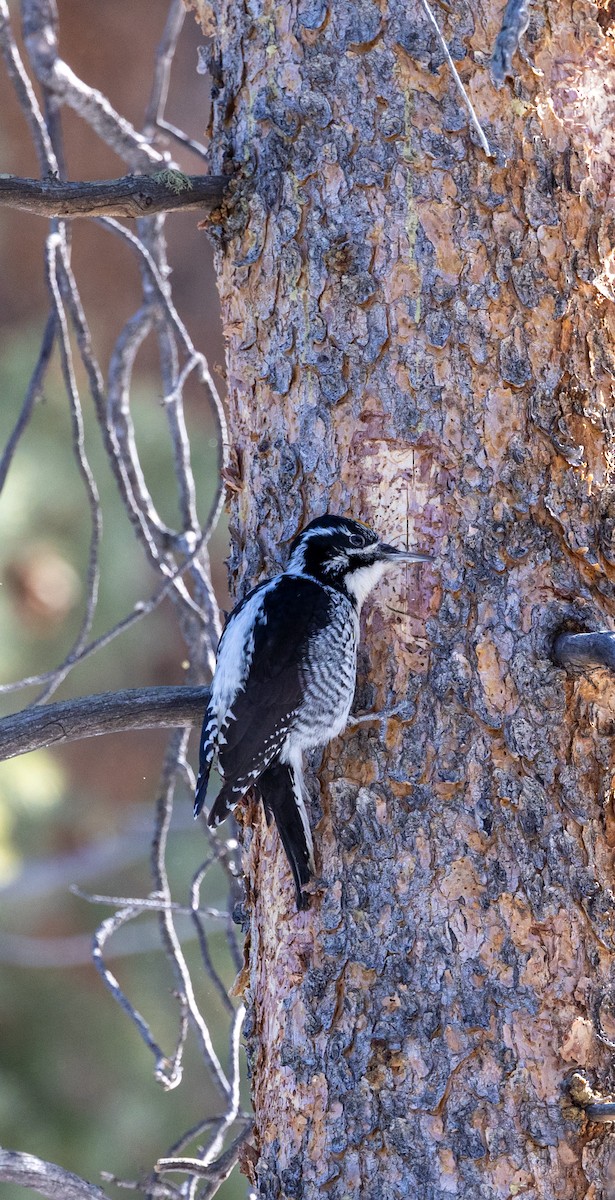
column 76, row 1082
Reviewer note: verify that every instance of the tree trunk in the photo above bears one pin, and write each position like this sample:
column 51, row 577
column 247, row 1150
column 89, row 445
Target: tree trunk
column 422, row 337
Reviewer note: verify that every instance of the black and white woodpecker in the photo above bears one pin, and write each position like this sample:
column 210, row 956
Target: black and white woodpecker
column 285, row 677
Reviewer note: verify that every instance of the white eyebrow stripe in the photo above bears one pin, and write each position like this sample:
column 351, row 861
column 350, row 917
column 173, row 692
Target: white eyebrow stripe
column 297, row 561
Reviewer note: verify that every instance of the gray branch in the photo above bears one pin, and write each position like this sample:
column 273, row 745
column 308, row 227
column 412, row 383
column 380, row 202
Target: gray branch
column 50, row 1180
column 40, row 31
column 585, row 650
column 110, row 712
column 514, row 24
column 130, row 196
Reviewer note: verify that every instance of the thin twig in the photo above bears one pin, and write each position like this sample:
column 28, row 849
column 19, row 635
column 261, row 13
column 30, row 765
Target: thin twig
column 173, row 401
column 148, row 904
column 25, row 93
column 224, row 851
column 156, row 289
column 235, row 1047
column 168, row 932
column 190, row 1134
column 125, row 456
column 195, row 913
column 167, row 1070
column 39, row 29
column 455, row 73
column 54, row 243
column 216, row 1171
column 157, row 292
column 163, row 62
column 182, row 138
column 32, row 395
column 159, row 285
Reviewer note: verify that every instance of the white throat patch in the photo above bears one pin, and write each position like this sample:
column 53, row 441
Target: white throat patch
column 360, row 583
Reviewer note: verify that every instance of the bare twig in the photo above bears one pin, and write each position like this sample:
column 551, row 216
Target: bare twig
column 168, row 932
column 178, row 556
column 455, row 73
column 222, row 852
column 216, row 1171
column 163, row 63
column 149, row 904
column 47, row 1178
column 167, row 1071
column 32, row 395
column 40, row 36
column 182, row 138
column 130, row 196
column 159, row 285
column 55, row 242
column 141, row 609
column 91, row 716
column 190, row 1134
column 202, row 936
column 25, row 93
column 127, row 468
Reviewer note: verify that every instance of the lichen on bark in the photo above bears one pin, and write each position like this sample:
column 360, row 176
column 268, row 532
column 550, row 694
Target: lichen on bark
column 423, row 338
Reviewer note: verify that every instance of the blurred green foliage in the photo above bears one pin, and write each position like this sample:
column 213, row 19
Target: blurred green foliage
column 76, row 1083
column 44, row 516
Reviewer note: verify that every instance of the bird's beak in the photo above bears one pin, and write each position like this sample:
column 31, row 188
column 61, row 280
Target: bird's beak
column 391, row 554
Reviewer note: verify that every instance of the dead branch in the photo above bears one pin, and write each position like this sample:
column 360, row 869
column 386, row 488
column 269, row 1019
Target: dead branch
column 110, row 712
column 216, row 1171
column 47, row 1178
column 130, row 196
column 585, row 650
column 514, row 24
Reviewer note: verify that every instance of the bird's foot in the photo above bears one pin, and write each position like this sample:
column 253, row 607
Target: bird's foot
column 404, row 709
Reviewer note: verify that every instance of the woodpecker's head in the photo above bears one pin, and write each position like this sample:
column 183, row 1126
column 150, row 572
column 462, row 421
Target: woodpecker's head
column 346, row 555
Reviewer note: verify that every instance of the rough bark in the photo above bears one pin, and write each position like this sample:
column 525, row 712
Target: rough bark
column 423, row 338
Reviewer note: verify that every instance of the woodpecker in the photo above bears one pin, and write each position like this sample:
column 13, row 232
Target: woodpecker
column 285, row 677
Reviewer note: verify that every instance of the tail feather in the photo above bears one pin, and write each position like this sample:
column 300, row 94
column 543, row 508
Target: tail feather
column 282, row 797
column 201, row 787
column 207, row 747
column 222, row 806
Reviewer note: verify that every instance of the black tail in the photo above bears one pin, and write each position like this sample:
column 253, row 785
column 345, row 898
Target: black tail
column 222, row 806
column 207, row 746
column 282, row 798
column 201, row 786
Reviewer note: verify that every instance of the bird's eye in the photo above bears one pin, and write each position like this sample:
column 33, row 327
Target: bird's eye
column 355, row 539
